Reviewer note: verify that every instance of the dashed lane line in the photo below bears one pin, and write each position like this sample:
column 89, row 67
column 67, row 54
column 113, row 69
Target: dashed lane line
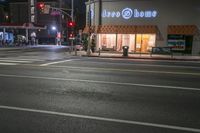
column 102, row 82
column 8, row 64
column 122, row 121
column 21, row 59
column 17, row 61
column 144, row 65
column 126, row 70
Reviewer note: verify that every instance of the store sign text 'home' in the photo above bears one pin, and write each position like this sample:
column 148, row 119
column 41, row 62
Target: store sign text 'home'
column 129, row 13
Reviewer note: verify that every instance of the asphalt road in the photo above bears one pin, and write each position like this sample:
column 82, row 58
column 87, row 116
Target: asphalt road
column 47, row 90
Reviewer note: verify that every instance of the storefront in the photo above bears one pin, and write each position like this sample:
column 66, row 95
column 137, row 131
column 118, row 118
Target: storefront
column 142, row 25
column 119, row 36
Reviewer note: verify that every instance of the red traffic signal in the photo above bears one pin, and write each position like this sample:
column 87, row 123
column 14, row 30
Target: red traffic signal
column 71, row 35
column 71, row 24
column 40, row 5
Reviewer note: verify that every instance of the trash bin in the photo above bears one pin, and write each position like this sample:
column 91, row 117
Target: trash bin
column 125, row 50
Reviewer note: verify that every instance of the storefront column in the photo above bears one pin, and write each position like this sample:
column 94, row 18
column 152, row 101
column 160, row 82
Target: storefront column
column 100, row 11
column 116, row 42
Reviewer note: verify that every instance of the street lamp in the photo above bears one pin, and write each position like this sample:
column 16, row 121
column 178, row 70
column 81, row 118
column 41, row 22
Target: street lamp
column 54, row 28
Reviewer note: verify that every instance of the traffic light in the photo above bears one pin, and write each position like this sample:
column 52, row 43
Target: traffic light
column 41, row 5
column 71, row 35
column 71, row 24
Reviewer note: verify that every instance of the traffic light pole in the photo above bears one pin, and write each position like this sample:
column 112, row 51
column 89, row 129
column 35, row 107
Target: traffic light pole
column 59, row 39
column 89, row 34
column 72, row 17
column 69, row 15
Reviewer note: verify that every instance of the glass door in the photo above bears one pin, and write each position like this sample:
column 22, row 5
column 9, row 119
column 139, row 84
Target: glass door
column 145, row 42
column 138, row 44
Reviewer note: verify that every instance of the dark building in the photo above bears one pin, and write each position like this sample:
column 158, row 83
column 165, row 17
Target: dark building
column 3, row 11
column 1, row 14
column 54, row 22
column 19, row 12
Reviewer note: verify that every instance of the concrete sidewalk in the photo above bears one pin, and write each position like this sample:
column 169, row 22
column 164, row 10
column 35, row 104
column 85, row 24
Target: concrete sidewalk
column 142, row 56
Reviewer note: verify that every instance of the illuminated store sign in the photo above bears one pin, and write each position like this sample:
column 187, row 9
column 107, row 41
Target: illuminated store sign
column 128, row 13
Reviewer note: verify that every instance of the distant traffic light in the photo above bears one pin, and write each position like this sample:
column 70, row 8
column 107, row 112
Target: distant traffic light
column 41, row 5
column 71, row 24
column 71, row 35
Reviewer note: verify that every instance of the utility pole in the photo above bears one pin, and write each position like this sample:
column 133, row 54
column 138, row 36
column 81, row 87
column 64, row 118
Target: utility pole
column 64, row 11
column 89, row 25
column 60, row 25
column 72, row 17
column 72, row 12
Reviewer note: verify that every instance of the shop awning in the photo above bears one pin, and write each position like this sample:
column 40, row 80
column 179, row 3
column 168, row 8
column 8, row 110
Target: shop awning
column 107, row 29
column 86, row 29
column 146, row 29
column 123, row 29
column 92, row 29
column 182, row 29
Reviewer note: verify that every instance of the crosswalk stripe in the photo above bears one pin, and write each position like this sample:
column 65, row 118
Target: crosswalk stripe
column 21, row 59
column 11, row 64
column 16, row 61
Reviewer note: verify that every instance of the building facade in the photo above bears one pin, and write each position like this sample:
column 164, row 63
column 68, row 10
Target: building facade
column 20, row 13
column 143, row 24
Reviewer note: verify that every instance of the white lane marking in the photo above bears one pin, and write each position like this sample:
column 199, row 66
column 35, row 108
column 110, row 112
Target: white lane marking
column 102, row 82
column 125, row 70
column 154, row 60
column 57, row 62
column 21, row 59
column 18, row 61
column 9, row 64
column 172, row 127
column 148, row 65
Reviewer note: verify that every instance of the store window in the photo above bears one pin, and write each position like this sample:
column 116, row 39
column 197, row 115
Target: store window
column 145, row 42
column 141, row 43
column 107, row 41
column 126, row 40
column 180, row 43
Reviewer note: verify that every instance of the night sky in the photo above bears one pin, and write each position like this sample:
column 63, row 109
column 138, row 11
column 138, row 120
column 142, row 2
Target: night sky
column 80, row 4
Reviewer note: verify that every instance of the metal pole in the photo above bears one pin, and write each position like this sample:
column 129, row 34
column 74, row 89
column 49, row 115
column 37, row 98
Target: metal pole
column 72, row 12
column 89, row 34
column 60, row 25
column 4, row 37
column 72, row 17
column 27, row 35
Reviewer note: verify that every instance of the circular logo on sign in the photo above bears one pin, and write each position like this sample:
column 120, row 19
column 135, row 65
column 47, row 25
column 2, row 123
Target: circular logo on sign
column 127, row 13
